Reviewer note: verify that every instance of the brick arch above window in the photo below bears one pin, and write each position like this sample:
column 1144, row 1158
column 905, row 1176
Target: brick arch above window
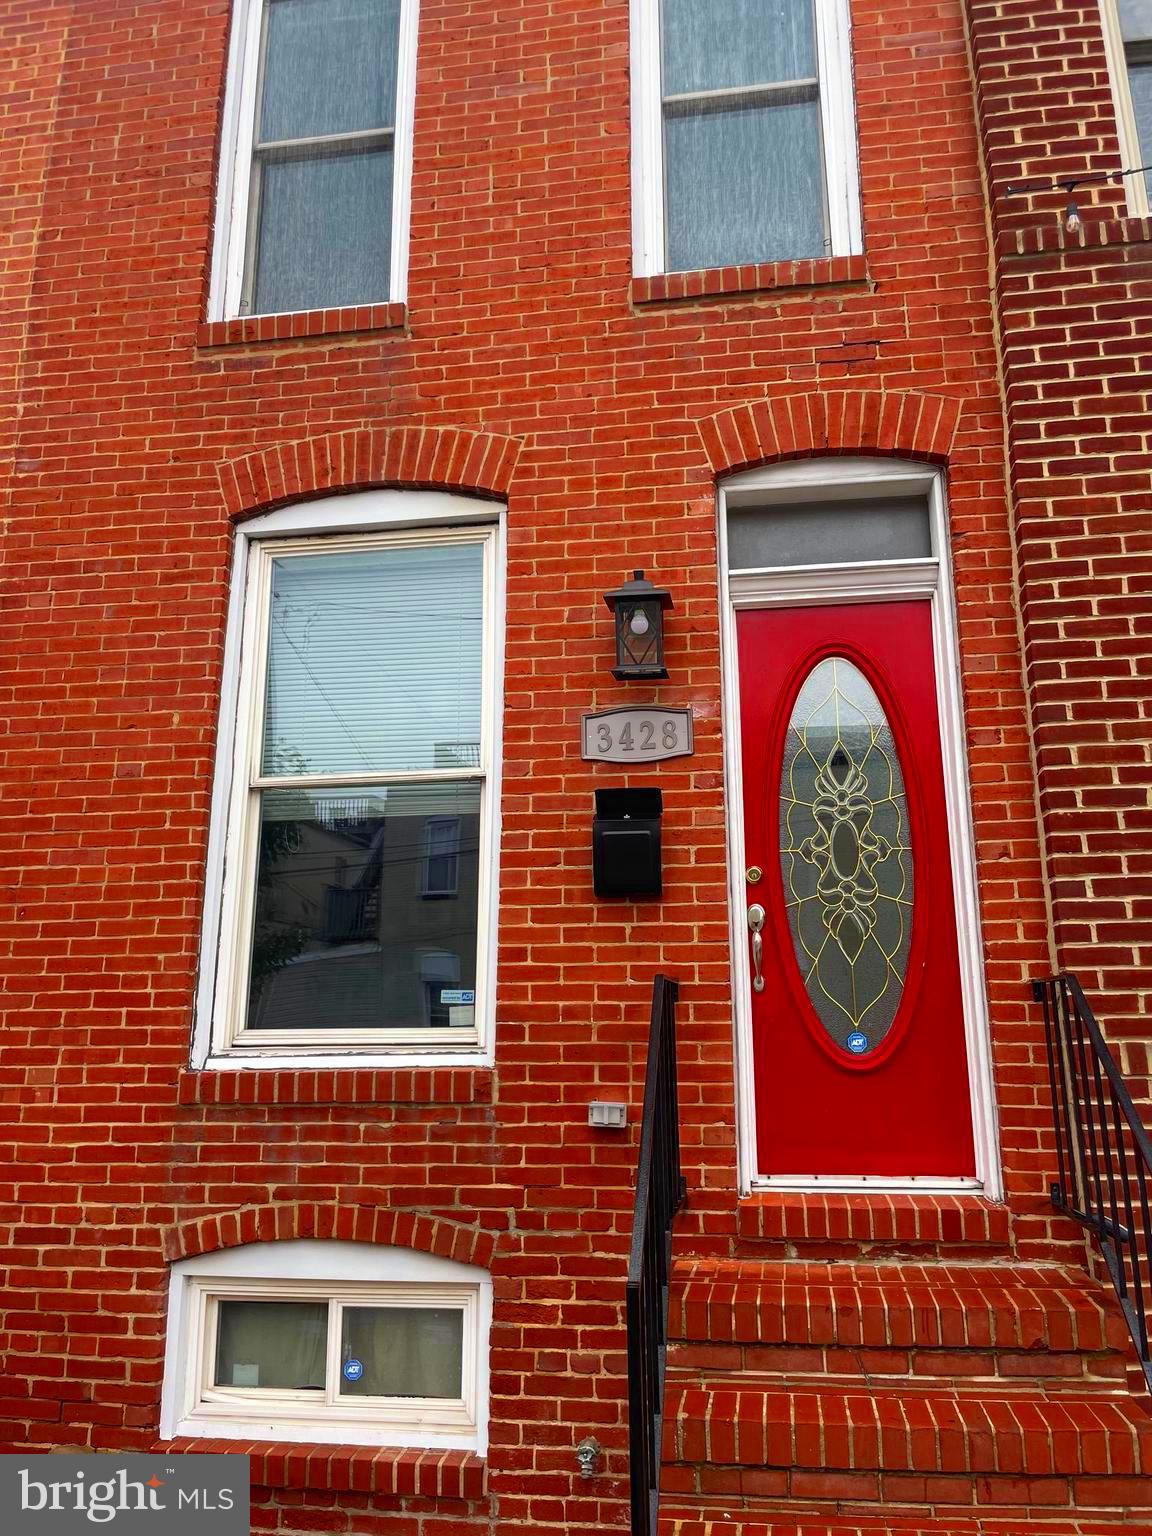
column 427, row 458
column 897, row 422
column 348, row 1223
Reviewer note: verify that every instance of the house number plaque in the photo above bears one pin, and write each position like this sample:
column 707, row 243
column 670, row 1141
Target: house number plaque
column 637, row 735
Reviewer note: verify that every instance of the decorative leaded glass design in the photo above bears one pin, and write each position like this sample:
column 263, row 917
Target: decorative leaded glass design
column 845, row 854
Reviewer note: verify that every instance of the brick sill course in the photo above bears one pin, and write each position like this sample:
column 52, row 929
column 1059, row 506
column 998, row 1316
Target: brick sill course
column 302, row 325
column 369, row 1469
column 1053, row 239
column 761, row 277
column 338, row 1085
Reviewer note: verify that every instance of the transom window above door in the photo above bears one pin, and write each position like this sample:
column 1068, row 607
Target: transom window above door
column 355, row 887
column 744, row 138
column 315, row 156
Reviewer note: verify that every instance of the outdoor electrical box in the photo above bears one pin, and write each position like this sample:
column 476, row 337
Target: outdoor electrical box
column 626, row 843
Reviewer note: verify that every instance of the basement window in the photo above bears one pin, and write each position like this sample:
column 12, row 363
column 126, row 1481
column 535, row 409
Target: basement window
column 744, row 135
column 328, row 1342
column 1128, row 41
column 315, row 156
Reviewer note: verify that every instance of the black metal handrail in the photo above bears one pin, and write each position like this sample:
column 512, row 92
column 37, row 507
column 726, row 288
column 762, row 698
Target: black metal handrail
column 659, row 1195
column 1103, row 1151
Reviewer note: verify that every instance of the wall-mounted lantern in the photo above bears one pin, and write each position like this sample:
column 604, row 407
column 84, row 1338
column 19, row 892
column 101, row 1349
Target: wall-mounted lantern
column 638, row 608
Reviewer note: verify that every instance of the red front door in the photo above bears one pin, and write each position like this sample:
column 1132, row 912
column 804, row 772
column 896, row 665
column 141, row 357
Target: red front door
column 858, row 1024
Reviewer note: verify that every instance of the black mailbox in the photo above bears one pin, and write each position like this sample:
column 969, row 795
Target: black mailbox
column 626, row 842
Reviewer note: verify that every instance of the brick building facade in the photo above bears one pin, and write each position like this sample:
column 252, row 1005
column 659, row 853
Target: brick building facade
column 894, row 1355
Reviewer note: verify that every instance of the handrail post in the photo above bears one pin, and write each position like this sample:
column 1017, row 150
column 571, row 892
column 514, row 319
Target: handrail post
column 659, row 1195
column 1103, row 1151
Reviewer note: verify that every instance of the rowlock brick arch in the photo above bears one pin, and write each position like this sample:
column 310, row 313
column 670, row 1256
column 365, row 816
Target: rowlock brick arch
column 898, row 422
column 347, row 1223
column 428, row 458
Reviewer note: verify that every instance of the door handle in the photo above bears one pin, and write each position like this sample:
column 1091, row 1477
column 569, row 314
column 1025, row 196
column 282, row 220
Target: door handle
column 756, row 924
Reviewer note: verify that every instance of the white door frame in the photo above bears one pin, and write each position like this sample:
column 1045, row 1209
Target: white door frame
column 890, row 580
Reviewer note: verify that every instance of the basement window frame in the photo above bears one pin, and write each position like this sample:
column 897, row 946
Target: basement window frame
column 838, row 132
column 1122, row 57
column 362, row 520
column 340, row 1275
column 236, row 198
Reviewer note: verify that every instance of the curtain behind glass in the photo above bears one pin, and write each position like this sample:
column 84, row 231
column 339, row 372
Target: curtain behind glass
column 325, row 235
column 329, row 67
column 1135, row 20
column 709, row 44
column 375, row 661
column 405, row 1351
column 744, row 172
column 322, row 232
column 743, row 184
column 271, row 1344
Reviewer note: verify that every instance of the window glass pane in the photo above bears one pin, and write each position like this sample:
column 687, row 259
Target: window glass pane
column 343, row 937
column 325, row 230
column 329, row 67
column 829, row 533
column 375, row 660
column 402, row 1352
column 1135, row 20
column 846, row 855
column 743, row 184
column 1140, row 81
column 271, row 1344
column 709, row 44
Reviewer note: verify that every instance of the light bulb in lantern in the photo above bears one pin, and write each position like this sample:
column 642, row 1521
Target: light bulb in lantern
column 638, row 623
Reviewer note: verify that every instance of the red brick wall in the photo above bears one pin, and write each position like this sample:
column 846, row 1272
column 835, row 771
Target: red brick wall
column 522, row 324
column 1075, row 313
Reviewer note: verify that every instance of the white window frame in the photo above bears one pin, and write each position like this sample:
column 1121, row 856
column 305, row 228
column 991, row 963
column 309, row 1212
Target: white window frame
column 1130, row 151
column 838, row 130
column 361, row 520
column 342, row 1274
column 829, row 479
column 234, row 191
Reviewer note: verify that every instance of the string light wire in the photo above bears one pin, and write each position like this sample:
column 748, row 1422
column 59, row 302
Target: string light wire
column 1073, row 223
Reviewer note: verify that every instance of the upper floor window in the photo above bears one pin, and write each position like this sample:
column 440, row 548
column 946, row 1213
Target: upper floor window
column 1128, row 34
column 315, row 156
column 744, row 138
column 351, row 906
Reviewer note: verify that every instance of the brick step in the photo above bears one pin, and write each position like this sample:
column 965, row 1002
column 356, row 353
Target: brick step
column 759, row 1437
column 933, row 1319
column 724, row 1520
column 838, row 1225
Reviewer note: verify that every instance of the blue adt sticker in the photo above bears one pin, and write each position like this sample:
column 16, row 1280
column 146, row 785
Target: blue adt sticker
column 457, row 996
column 353, row 1370
column 857, row 1043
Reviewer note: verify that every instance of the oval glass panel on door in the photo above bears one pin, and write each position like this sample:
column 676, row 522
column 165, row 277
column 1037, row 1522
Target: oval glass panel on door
column 846, row 855
column 859, row 1050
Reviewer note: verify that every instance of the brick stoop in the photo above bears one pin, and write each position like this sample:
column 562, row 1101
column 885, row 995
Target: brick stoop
column 674, row 1524
column 917, row 1396
column 836, row 1225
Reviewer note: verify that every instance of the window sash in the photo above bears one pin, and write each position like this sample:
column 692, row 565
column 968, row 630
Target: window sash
column 208, row 1401
column 1123, row 54
column 243, row 155
column 832, row 88
column 249, row 783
